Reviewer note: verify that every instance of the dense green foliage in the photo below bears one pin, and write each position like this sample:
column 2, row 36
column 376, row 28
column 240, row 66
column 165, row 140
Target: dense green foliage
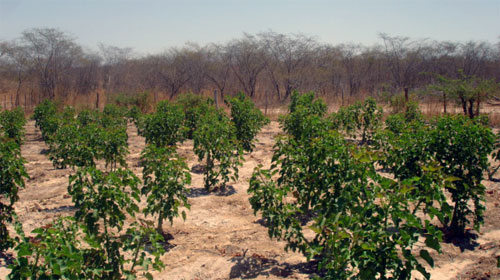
column 82, row 140
column 305, row 117
column 462, row 147
column 43, row 115
column 194, row 106
column 247, row 119
column 496, row 157
column 12, row 175
column 165, row 126
column 12, row 170
column 215, row 140
column 360, row 118
column 365, row 225
column 165, row 176
column 12, row 125
column 103, row 200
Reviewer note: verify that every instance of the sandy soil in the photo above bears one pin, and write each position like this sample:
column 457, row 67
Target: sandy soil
column 221, row 238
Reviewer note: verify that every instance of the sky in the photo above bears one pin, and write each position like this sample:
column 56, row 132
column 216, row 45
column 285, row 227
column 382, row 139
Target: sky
column 151, row 26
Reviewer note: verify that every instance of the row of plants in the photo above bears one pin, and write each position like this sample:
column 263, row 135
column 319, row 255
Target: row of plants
column 324, row 195
column 105, row 238
column 218, row 139
column 12, row 170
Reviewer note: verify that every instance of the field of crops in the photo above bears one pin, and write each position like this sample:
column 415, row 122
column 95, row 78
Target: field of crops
column 193, row 192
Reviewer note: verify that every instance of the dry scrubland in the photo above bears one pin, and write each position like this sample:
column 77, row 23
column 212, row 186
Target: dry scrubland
column 221, row 238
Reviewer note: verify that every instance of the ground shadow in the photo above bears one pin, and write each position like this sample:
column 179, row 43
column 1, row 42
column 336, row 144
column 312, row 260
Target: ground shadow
column 197, row 192
column 248, row 267
column 44, row 151
column 198, row 169
column 218, row 191
column 8, row 259
column 224, row 190
column 465, row 242
column 167, row 246
column 59, row 209
column 496, row 180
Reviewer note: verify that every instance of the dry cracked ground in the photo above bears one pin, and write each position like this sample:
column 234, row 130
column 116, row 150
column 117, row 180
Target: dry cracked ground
column 221, row 237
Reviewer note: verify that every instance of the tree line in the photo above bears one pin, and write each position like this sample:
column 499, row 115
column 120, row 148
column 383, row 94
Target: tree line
column 46, row 63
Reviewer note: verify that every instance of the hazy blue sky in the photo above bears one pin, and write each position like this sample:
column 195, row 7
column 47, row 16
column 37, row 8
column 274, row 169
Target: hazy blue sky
column 150, row 26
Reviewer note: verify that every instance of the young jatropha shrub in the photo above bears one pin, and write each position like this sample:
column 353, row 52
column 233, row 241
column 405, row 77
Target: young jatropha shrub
column 215, row 141
column 81, row 141
column 305, row 116
column 462, row 146
column 247, row 119
column 364, row 226
column 12, row 175
column 363, row 118
column 12, row 125
column 42, row 114
column 113, row 116
column 496, row 157
column 165, row 176
column 194, row 106
column 103, row 201
column 97, row 243
column 397, row 123
column 165, row 126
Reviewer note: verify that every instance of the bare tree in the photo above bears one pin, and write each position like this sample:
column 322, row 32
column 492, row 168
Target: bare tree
column 403, row 57
column 288, row 60
column 174, row 70
column 217, row 66
column 247, row 62
column 53, row 54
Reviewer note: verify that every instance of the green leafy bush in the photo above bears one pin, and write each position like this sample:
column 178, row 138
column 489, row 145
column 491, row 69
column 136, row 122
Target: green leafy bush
column 165, row 176
column 247, row 119
column 359, row 118
column 215, row 141
column 65, row 249
column 462, row 146
column 305, row 118
column 364, row 225
column 113, row 116
column 12, row 175
column 496, row 157
column 113, row 146
column 42, row 114
column 12, row 124
column 194, row 106
column 103, row 201
column 165, row 126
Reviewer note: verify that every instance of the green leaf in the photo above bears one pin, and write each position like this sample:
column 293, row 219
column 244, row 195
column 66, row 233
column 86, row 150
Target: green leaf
column 427, row 257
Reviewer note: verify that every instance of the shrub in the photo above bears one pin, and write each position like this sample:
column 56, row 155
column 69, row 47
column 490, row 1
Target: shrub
column 462, row 147
column 12, row 124
column 247, row 119
column 215, row 141
column 305, row 118
column 42, row 113
column 12, row 175
column 363, row 118
column 165, row 176
column 165, row 126
column 194, row 106
column 364, row 226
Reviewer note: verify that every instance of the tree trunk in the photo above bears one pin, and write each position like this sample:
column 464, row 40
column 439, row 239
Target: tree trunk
column 471, row 108
column 216, row 100
column 406, row 98
column 160, row 223
column 444, row 102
